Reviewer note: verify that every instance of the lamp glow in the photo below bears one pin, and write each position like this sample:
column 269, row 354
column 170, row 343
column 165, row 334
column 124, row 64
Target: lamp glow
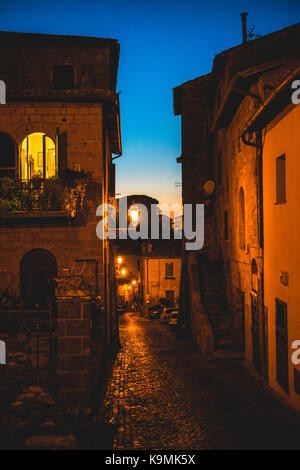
column 134, row 215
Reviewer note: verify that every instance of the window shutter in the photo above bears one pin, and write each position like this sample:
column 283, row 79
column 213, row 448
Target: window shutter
column 61, row 151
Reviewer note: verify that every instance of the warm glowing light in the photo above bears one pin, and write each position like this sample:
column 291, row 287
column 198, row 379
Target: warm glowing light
column 37, row 158
column 134, row 215
column 134, row 282
column 123, row 272
column 129, row 287
column 120, row 259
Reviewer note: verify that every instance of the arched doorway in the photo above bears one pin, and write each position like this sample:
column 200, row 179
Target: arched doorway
column 7, row 156
column 37, row 267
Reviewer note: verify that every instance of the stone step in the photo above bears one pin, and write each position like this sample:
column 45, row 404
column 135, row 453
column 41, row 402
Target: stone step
column 225, row 357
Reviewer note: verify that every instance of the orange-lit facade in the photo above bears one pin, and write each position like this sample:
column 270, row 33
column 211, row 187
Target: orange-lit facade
column 161, row 280
column 281, row 250
column 232, row 133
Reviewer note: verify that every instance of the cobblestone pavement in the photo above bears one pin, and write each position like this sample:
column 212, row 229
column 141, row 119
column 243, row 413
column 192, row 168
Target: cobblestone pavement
column 164, row 397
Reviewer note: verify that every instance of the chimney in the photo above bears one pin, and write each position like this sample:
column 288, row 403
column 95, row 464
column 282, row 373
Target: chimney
column 244, row 26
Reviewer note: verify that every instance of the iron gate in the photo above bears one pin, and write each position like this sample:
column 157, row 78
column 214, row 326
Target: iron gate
column 37, row 331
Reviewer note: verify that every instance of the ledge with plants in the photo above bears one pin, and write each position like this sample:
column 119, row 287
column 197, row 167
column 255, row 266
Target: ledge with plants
column 38, row 196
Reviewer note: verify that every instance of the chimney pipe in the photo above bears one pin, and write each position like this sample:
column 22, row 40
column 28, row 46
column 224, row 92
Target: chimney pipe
column 244, row 26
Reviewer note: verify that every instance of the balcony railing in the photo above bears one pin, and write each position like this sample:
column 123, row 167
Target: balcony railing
column 39, row 196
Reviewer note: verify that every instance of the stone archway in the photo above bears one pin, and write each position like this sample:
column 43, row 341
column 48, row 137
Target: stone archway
column 37, row 267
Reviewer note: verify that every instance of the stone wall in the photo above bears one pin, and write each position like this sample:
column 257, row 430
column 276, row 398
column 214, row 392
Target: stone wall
column 29, row 417
column 81, row 124
column 215, row 109
column 37, row 54
column 80, row 351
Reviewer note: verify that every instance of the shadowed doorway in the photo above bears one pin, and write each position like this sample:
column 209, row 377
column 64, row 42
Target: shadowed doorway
column 37, row 267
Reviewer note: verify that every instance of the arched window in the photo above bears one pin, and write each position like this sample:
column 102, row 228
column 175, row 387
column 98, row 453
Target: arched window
column 242, row 240
column 7, row 155
column 254, row 276
column 38, row 157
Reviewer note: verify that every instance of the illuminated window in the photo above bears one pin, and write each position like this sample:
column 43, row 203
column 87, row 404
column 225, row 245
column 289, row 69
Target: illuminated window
column 63, row 77
column 38, row 157
column 280, row 180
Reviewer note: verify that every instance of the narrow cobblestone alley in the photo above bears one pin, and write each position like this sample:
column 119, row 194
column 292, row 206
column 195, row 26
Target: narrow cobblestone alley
column 164, row 397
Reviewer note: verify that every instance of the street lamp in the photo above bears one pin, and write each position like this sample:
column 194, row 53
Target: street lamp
column 123, row 271
column 120, row 260
column 134, row 215
column 133, row 292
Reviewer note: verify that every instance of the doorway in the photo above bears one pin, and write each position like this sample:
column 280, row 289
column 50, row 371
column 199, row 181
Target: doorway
column 241, row 318
column 37, row 267
column 255, row 333
column 170, row 298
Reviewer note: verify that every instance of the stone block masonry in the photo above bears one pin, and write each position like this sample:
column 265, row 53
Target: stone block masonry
column 74, row 352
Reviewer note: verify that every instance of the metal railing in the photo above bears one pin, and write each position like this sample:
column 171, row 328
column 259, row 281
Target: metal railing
column 38, row 330
column 39, row 195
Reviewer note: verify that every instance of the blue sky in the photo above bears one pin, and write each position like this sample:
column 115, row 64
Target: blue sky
column 163, row 44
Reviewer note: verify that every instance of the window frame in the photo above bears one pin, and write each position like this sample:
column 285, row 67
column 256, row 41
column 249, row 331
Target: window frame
column 280, row 171
column 44, row 136
column 56, row 78
column 169, row 270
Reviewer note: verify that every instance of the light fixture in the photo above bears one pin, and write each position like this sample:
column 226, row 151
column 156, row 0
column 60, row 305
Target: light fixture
column 123, row 272
column 134, row 282
column 134, row 215
column 120, row 259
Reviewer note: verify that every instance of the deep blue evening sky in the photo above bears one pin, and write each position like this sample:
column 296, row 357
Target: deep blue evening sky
column 163, row 44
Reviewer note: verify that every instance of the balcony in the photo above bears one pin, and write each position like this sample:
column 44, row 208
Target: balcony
column 40, row 198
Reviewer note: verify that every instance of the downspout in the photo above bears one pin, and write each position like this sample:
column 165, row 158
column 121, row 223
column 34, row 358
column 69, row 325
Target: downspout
column 104, row 247
column 259, row 158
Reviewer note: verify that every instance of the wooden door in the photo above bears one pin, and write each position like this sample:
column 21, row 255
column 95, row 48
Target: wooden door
column 37, row 268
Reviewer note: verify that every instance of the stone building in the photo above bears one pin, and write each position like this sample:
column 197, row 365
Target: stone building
column 59, row 128
column 160, row 272
column 148, row 270
column 223, row 167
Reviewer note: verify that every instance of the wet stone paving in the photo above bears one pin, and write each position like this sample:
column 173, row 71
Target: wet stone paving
column 164, row 396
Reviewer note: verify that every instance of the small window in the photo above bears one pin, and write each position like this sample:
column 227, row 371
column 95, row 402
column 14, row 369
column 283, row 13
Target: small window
column 63, row 77
column 242, row 241
column 220, row 168
column 280, row 180
column 169, row 270
column 226, row 225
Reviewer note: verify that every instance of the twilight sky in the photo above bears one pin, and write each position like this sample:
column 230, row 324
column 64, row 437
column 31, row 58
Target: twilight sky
column 163, row 44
